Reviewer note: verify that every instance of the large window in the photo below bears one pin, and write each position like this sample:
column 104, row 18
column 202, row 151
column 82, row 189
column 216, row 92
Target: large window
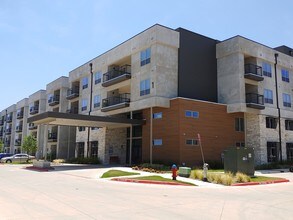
column 289, row 150
column 97, row 101
column 85, row 82
column 272, row 151
column 266, row 69
column 286, row 100
column 271, row 122
column 289, row 125
column 268, row 95
column 80, row 149
column 83, row 104
column 239, row 124
column 145, row 57
column 285, row 75
column 145, row 87
column 98, row 77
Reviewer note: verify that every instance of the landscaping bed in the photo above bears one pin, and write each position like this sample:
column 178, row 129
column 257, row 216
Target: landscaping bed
column 117, row 173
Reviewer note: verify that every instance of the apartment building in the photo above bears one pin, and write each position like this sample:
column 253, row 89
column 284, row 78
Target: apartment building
column 257, row 80
column 151, row 97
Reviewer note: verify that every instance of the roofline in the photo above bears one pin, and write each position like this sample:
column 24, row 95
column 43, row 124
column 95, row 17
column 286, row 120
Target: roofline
column 121, row 44
column 177, row 29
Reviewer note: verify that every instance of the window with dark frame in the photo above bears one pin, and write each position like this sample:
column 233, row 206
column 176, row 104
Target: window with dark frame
column 271, row 122
column 266, row 69
column 285, row 75
column 289, row 125
column 80, row 150
column 268, row 96
column 98, row 77
column 191, row 114
column 289, row 151
column 193, row 142
column 145, row 57
column 272, row 151
column 286, row 100
column 239, row 124
column 85, row 82
column 81, row 128
column 145, row 87
column 240, row 144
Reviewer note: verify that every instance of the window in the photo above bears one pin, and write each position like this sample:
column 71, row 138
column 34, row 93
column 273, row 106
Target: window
column 85, row 82
column 145, row 57
column 145, row 87
column 268, row 95
column 157, row 142
column 193, row 142
column 80, row 149
column 289, row 125
column 240, row 144
column 191, row 114
column 239, row 124
column 272, row 151
column 94, row 149
column 266, row 69
column 289, row 150
column 271, row 122
column 81, row 128
column 286, row 100
column 98, row 77
column 83, row 104
column 95, row 128
column 158, row 115
column 285, row 75
column 97, row 101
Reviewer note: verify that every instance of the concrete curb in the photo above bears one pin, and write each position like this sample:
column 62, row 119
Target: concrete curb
column 261, row 183
column 39, row 169
column 149, row 182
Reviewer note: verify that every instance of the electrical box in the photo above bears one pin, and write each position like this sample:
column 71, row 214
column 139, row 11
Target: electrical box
column 239, row 159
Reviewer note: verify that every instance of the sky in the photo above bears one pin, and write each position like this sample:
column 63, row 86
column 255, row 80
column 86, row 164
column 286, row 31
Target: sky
column 41, row 40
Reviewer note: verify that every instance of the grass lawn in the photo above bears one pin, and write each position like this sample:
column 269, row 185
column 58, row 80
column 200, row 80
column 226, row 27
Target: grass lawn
column 159, row 178
column 264, row 178
column 116, row 173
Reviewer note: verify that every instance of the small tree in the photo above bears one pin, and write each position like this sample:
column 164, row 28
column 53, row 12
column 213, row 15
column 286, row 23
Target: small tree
column 29, row 144
column 1, row 146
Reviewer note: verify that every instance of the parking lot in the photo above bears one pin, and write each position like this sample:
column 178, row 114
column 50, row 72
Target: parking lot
column 76, row 192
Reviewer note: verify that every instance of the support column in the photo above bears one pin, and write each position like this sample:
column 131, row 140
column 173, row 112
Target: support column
column 151, row 135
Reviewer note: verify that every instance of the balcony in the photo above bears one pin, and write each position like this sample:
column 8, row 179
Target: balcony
column 1, row 133
column 52, row 137
column 8, row 131
column 32, row 126
column 19, row 115
column 72, row 110
column 253, row 72
column 1, row 122
column 9, row 118
column 254, row 100
column 34, row 110
column 72, row 93
column 17, row 142
column 54, row 100
column 7, row 143
column 115, row 102
column 115, row 76
column 18, row 128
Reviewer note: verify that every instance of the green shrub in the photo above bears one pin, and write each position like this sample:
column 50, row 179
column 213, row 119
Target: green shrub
column 159, row 167
column 84, row 160
column 241, row 178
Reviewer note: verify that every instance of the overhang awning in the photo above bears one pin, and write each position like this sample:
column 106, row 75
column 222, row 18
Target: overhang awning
column 76, row 120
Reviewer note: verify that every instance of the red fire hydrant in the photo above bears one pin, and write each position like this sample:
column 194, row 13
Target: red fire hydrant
column 174, row 171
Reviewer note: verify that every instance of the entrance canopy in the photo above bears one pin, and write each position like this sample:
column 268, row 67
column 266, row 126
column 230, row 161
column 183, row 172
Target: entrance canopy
column 76, row 120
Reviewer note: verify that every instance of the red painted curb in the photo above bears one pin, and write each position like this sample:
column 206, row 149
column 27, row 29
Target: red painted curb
column 38, row 169
column 261, row 183
column 148, row 182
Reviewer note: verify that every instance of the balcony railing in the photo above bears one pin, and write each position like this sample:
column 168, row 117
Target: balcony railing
column 116, row 76
column 72, row 93
column 253, row 72
column 52, row 137
column 54, row 100
column 1, row 122
column 8, row 131
column 34, row 110
column 18, row 128
column 1, row 133
column 32, row 126
column 9, row 118
column 17, row 142
column 7, row 143
column 72, row 110
column 254, row 100
column 115, row 102
column 19, row 115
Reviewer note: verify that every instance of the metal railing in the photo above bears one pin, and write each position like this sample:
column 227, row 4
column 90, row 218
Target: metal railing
column 252, row 68
column 34, row 109
column 73, row 92
column 54, row 99
column 255, row 98
column 112, row 74
column 114, row 100
column 52, row 136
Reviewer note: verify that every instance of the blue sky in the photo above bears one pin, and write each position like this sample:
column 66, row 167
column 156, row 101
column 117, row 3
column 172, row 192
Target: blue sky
column 42, row 40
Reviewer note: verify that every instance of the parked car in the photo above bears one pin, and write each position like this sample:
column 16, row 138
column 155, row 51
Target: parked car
column 5, row 155
column 17, row 158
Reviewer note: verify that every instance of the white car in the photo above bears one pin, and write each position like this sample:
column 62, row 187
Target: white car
column 17, row 158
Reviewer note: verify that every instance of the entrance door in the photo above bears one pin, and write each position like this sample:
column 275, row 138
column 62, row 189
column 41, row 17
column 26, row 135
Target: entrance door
column 289, row 150
column 273, row 151
column 136, row 157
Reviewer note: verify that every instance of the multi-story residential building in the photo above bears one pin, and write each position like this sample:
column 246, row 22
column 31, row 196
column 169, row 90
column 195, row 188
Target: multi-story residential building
column 257, row 80
column 21, row 128
column 153, row 96
column 37, row 105
column 60, row 139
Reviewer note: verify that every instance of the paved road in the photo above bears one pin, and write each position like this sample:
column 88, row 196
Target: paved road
column 79, row 194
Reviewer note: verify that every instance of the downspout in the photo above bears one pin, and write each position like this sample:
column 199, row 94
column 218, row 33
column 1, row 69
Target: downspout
column 90, row 110
column 278, row 106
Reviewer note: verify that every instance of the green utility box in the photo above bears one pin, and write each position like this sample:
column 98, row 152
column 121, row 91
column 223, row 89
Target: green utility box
column 184, row 171
column 239, row 159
